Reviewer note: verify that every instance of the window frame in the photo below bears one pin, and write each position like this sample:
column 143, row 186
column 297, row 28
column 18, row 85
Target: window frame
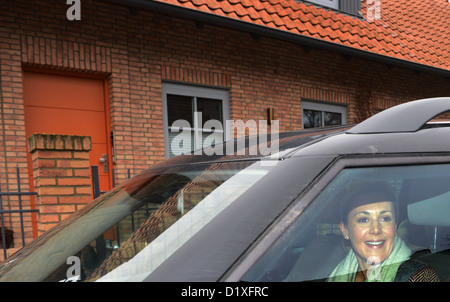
column 278, row 227
column 324, row 107
column 350, row 7
column 333, row 4
column 194, row 92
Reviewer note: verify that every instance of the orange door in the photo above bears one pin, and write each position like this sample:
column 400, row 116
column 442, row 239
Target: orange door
column 71, row 105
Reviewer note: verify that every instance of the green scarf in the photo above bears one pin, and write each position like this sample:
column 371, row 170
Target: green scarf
column 346, row 270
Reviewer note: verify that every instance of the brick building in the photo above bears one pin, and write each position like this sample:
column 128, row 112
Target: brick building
column 105, row 89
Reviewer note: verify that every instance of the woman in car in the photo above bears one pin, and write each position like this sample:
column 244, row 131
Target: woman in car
column 369, row 224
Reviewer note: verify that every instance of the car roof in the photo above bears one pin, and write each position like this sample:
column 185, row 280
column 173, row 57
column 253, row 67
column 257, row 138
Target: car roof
column 248, row 148
column 407, row 127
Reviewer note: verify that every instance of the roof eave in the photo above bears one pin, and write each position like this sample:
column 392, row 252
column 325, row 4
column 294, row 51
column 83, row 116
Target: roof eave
column 257, row 29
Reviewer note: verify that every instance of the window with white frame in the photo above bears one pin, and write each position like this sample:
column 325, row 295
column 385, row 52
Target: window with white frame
column 352, row 7
column 316, row 114
column 194, row 117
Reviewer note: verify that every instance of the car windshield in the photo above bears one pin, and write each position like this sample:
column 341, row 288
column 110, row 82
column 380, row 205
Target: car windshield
column 128, row 232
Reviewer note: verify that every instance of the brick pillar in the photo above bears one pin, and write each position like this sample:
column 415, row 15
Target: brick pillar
column 61, row 173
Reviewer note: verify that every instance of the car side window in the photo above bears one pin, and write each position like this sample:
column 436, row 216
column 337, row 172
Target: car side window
column 389, row 223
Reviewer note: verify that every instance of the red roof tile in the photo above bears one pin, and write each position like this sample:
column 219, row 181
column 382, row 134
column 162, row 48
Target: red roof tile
column 414, row 30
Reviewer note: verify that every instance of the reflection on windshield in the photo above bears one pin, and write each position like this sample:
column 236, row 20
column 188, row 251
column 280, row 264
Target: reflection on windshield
column 214, row 199
column 128, row 232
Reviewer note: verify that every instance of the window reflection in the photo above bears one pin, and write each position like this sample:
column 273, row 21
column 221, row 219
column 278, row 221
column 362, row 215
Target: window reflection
column 312, row 118
column 125, row 234
column 332, row 118
column 180, row 107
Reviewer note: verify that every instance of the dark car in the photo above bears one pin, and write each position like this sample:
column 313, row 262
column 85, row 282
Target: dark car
column 248, row 217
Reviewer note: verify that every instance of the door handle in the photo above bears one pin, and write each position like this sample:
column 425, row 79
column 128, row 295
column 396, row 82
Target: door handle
column 104, row 161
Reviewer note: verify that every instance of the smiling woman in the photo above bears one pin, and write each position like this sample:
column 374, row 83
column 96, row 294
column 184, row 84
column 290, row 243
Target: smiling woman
column 368, row 222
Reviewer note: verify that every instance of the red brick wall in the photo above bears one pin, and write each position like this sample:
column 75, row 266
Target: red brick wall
column 62, row 177
column 137, row 52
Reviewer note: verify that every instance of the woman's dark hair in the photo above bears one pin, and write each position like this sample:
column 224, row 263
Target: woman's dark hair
column 364, row 193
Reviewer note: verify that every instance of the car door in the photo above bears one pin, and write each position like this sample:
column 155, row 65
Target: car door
column 308, row 243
